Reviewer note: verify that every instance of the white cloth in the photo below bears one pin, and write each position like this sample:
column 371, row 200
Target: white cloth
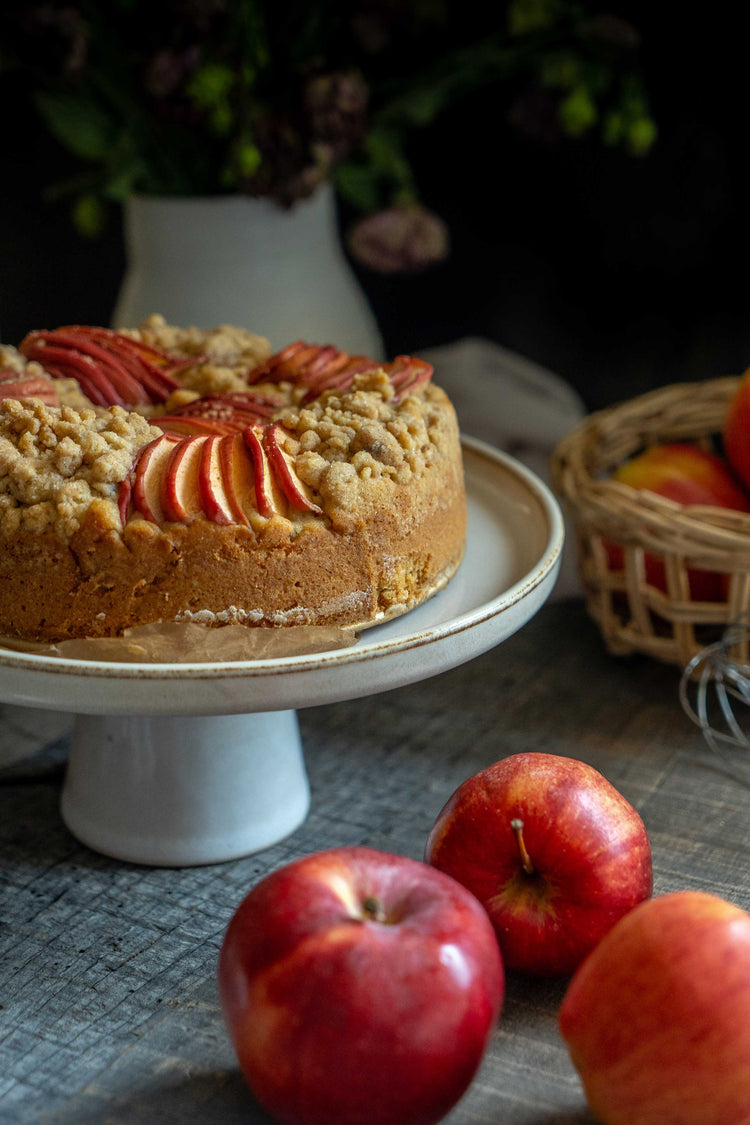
column 516, row 406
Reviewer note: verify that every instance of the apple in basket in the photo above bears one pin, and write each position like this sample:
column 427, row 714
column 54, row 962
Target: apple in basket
column 736, row 430
column 689, row 475
column 657, row 1019
column 359, row 988
column 551, row 849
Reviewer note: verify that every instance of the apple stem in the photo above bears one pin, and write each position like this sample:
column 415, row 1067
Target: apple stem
column 372, row 909
column 517, row 826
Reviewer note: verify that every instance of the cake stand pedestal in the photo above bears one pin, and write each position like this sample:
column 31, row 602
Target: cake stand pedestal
column 185, row 790
column 183, row 764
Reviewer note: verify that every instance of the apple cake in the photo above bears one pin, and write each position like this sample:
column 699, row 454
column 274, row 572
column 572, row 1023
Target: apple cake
column 171, row 474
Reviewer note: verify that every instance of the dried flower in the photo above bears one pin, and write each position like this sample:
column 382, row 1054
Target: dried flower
column 60, row 32
column 403, row 239
column 168, row 70
column 336, row 107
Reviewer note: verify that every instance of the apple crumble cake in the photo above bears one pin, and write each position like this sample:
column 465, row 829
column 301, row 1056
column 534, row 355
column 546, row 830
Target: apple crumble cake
column 168, row 474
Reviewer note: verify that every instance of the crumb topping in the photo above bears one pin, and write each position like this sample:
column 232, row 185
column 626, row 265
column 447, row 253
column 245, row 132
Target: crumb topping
column 54, row 462
column 353, row 447
column 11, row 360
column 223, row 355
column 349, row 439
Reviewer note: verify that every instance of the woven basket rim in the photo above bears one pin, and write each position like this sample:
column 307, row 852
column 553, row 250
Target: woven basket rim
column 603, row 439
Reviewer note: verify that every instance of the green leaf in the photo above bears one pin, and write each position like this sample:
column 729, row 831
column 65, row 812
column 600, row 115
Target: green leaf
column 358, row 186
column 560, row 70
column 527, row 16
column 89, row 215
column 210, row 85
column 123, row 181
column 385, row 154
column 613, row 128
column 248, row 159
column 81, row 125
column 420, row 98
column 221, row 120
column 578, row 112
column 245, row 160
column 423, row 106
column 641, row 136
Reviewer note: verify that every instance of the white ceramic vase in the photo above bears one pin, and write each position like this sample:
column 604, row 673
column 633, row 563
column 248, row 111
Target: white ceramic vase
column 235, row 260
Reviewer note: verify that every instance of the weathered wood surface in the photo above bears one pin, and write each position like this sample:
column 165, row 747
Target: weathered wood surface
column 108, row 1000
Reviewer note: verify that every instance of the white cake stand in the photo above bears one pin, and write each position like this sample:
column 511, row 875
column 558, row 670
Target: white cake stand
column 183, row 764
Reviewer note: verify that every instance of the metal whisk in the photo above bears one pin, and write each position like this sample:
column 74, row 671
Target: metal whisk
column 712, row 685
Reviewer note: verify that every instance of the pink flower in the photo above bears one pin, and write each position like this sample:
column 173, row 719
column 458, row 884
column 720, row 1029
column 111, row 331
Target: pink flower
column 402, row 239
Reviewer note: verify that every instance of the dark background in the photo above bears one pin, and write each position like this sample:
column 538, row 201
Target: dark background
column 620, row 274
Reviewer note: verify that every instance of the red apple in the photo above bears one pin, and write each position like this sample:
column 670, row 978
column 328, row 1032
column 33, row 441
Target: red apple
column 180, row 479
column 300, row 363
column 269, row 499
column 324, row 367
column 689, row 475
column 125, row 497
column 62, row 362
column 13, row 385
column 326, row 363
column 736, row 430
column 180, row 485
column 407, row 373
column 220, row 413
column 111, row 368
column 216, row 503
column 552, row 850
column 185, row 425
column 276, row 442
column 238, row 476
column 316, row 366
column 359, row 988
column 270, row 368
column 685, row 473
column 148, row 475
column 657, row 1019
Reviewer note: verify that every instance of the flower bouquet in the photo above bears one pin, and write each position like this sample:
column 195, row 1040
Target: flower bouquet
column 209, row 97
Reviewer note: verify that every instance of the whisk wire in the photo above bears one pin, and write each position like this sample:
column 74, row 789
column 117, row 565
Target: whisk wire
column 718, row 683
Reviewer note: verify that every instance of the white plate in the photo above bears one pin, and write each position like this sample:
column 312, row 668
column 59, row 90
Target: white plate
column 514, row 544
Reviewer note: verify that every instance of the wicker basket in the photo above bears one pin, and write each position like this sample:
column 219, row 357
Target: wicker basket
column 632, row 615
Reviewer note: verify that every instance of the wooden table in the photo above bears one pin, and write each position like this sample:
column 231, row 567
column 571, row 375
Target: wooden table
column 108, row 999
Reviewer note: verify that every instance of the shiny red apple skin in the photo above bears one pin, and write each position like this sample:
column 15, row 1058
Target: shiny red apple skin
column 237, row 474
column 180, row 497
column 339, row 1018
column 657, row 1019
column 686, row 474
column 282, row 466
column 148, row 473
column 13, row 385
column 588, row 846
column 736, row 430
column 212, row 483
column 266, row 500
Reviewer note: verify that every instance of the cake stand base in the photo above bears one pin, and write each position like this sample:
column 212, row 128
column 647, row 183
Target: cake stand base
column 175, row 791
